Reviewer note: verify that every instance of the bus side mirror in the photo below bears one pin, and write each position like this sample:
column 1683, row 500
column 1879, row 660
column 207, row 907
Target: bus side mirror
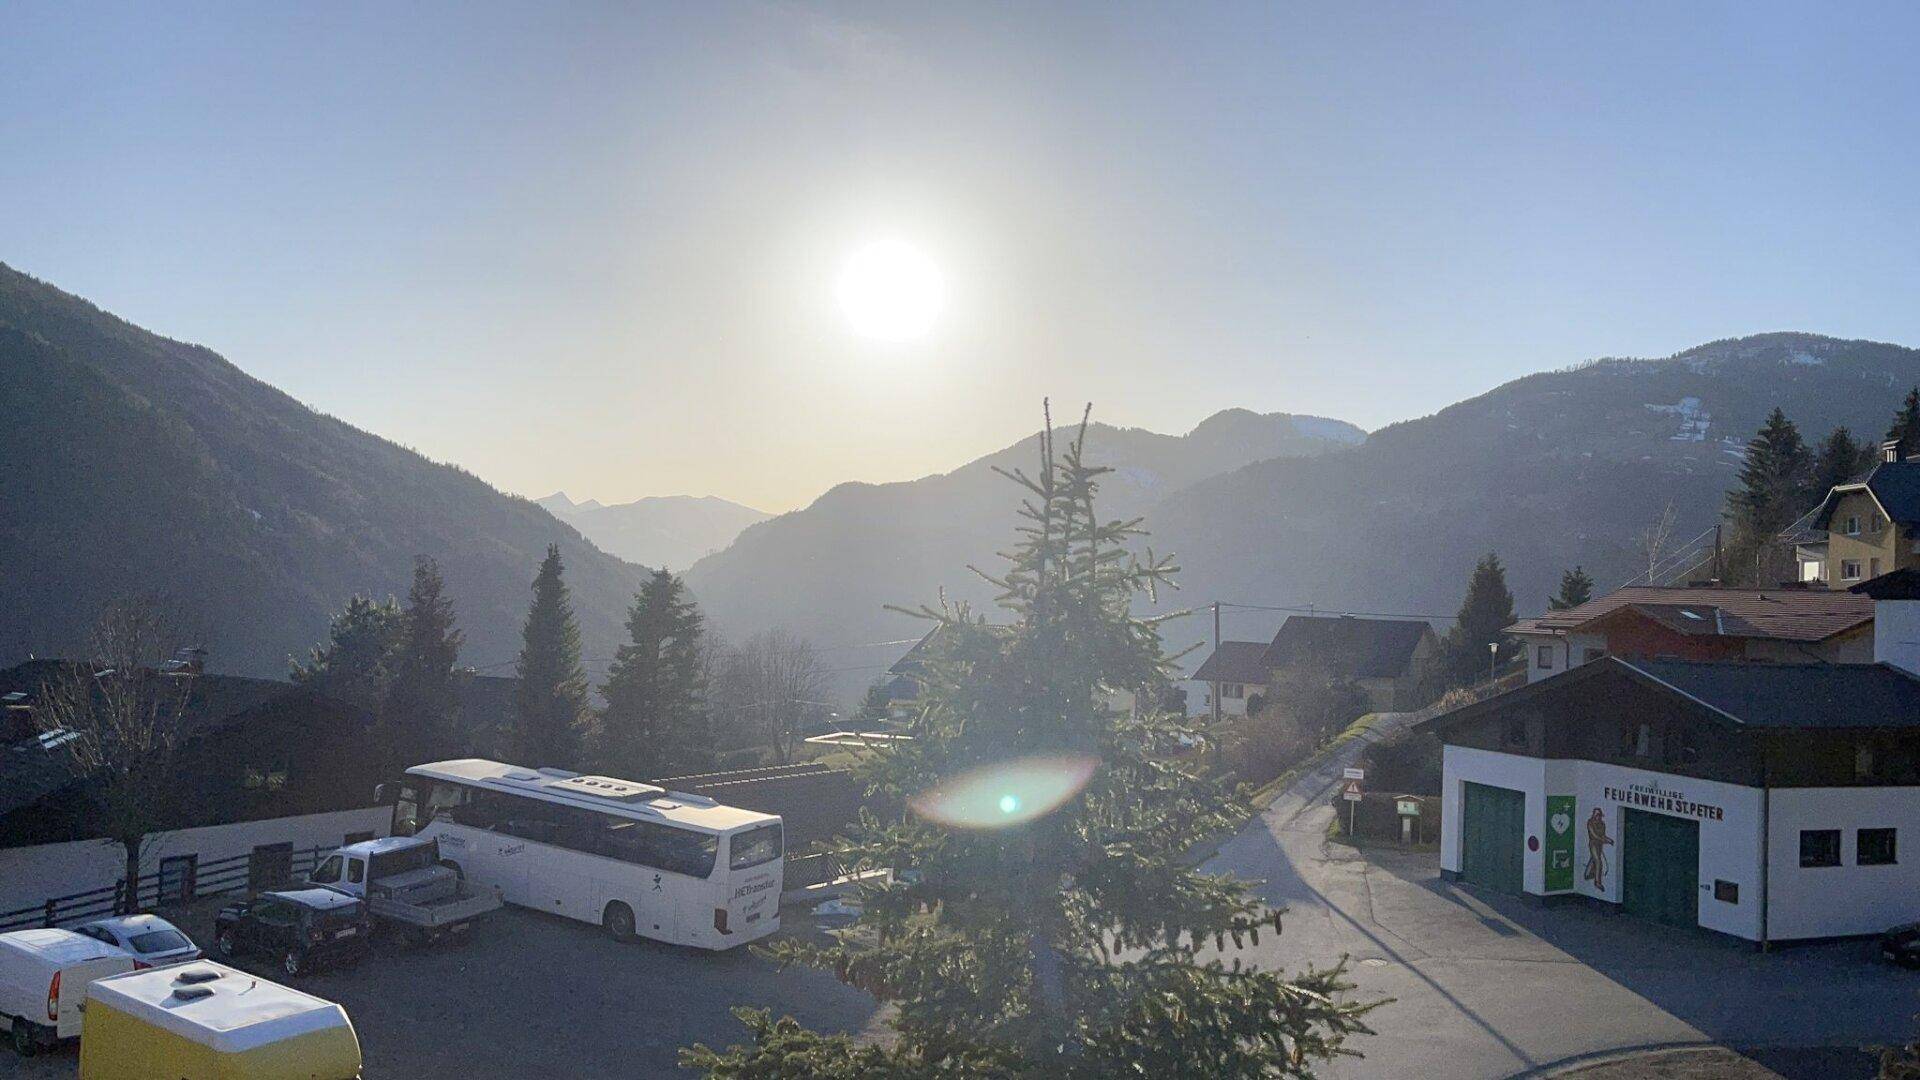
column 381, row 793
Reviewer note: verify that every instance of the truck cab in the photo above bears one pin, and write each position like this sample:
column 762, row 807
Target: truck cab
column 405, row 884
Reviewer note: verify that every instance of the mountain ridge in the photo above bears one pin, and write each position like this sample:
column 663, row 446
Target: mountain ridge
column 291, row 510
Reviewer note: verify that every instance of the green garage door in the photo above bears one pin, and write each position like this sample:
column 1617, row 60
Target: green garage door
column 1660, row 868
column 1493, row 830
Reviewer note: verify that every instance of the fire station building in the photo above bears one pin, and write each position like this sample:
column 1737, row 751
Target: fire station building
column 1770, row 802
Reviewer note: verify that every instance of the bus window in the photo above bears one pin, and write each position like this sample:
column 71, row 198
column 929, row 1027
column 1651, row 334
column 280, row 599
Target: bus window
column 444, row 797
column 406, row 811
column 662, row 847
column 755, row 846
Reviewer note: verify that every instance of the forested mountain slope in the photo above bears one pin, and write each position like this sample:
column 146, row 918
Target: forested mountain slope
column 133, row 463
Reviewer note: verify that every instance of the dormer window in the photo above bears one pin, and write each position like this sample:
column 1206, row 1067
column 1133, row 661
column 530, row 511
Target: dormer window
column 1853, row 525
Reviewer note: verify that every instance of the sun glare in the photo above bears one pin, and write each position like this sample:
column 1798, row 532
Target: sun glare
column 890, row 291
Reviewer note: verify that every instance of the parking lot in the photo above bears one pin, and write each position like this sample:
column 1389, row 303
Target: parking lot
column 537, row 995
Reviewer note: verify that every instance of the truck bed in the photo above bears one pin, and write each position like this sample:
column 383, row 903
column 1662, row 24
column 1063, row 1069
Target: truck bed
column 465, row 904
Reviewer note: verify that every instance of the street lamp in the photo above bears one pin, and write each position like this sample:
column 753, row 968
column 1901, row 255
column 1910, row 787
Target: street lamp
column 1493, row 658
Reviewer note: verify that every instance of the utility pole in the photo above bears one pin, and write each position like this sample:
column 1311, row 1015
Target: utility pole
column 1717, row 578
column 1213, row 691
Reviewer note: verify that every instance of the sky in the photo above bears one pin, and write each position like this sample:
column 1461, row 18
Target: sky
column 595, row 248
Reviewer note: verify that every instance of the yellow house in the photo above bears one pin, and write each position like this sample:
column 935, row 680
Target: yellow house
column 1871, row 525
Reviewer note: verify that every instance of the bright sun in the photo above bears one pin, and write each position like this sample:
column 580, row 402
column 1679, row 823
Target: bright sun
column 890, row 291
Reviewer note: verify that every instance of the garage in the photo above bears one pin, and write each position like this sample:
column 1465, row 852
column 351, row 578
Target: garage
column 1493, row 837
column 1660, row 867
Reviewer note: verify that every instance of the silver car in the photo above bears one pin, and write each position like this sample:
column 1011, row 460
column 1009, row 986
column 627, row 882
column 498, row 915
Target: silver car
column 151, row 940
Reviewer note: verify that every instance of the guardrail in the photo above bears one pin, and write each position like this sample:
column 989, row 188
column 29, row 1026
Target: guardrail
column 266, row 867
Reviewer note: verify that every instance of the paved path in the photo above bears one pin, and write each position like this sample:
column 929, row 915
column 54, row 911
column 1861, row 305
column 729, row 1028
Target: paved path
column 1492, row 986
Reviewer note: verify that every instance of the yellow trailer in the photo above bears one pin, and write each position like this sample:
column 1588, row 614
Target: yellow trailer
column 206, row 1021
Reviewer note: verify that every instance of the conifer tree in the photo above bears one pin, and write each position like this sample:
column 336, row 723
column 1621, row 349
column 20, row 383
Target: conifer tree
column 421, row 709
column 1053, row 925
column 356, row 663
column 1576, row 588
column 655, row 722
column 550, row 700
column 1486, row 611
column 1776, row 484
column 1906, row 422
column 1841, row 459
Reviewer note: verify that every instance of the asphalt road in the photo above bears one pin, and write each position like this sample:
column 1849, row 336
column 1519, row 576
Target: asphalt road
column 536, row 995
column 1489, row 986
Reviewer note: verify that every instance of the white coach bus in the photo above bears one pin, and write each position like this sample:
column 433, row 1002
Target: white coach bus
column 634, row 858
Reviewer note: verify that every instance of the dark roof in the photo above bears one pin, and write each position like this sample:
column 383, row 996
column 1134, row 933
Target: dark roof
column 1902, row 584
column 1362, row 648
column 914, row 662
column 1236, row 662
column 1747, row 695
column 1895, row 486
column 1783, row 614
column 34, row 768
column 1794, row 695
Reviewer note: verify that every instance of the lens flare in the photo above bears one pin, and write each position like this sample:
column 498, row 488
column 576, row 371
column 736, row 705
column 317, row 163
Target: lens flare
column 1007, row 793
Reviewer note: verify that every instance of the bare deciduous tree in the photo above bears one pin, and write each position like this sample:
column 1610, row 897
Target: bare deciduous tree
column 1655, row 538
column 117, row 714
column 768, row 685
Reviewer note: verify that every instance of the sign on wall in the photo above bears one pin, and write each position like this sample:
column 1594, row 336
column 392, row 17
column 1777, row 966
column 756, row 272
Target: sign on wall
column 1560, row 818
column 1652, row 796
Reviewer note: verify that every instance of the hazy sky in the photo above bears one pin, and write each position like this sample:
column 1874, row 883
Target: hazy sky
column 594, row 248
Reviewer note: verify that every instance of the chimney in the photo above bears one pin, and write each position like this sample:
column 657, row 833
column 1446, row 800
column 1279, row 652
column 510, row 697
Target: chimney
column 1896, row 618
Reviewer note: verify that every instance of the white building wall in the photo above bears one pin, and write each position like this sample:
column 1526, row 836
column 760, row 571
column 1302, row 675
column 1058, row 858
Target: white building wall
column 1563, row 651
column 1896, row 635
column 1849, row 899
column 29, row 875
column 1729, row 830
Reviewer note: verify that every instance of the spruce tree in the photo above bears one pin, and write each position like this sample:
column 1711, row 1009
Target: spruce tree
column 1841, row 459
column 1052, row 925
column 421, row 712
column 1576, row 588
column 655, row 722
column 1486, row 611
column 550, row 700
column 1776, row 486
column 1907, row 419
column 356, row 663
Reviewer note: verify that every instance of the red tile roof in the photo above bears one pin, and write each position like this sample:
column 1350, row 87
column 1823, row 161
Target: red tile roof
column 1783, row 614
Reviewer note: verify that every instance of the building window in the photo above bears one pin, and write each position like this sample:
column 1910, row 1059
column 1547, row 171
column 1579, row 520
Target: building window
column 1819, row 847
column 1873, row 568
column 1874, row 847
column 1874, row 524
column 1853, row 525
column 1849, row 569
column 1589, row 654
column 270, row 777
column 1233, row 691
column 1863, row 761
column 1727, row 892
column 1543, row 656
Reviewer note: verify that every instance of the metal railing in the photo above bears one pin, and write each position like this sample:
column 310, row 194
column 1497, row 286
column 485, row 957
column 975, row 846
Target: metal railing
column 263, row 868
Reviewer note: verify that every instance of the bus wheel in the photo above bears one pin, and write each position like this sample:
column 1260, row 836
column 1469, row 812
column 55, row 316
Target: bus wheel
column 618, row 921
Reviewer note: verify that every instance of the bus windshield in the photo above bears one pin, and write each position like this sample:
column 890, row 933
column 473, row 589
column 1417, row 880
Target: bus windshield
column 758, row 845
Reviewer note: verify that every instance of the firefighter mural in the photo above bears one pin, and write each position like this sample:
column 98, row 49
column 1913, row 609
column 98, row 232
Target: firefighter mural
column 1597, row 841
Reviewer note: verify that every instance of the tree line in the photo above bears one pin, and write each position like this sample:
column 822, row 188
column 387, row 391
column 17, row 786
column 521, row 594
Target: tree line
column 677, row 699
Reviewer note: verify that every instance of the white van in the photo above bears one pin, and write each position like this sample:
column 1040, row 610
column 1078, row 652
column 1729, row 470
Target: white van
column 43, row 982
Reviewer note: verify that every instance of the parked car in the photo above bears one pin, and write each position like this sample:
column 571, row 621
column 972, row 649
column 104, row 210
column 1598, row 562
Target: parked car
column 1901, row 945
column 304, row 928
column 150, row 939
column 43, row 982
column 405, row 886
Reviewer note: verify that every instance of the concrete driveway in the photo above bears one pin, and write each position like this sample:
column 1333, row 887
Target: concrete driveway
column 1493, row 986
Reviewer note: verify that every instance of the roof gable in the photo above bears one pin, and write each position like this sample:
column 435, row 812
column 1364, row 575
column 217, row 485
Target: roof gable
column 1361, row 648
column 1235, row 661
